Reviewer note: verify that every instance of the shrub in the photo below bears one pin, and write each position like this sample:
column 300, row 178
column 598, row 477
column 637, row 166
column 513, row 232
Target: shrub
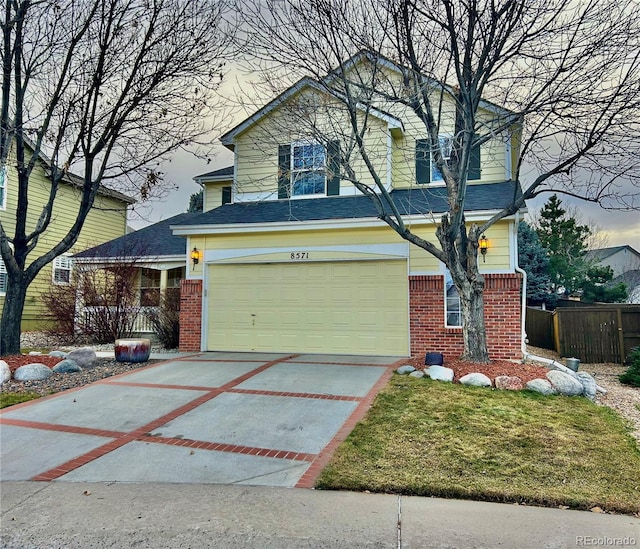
column 166, row 318
column 632, row 375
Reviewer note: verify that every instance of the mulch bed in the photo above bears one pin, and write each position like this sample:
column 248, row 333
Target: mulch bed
column 493, row 369
column 15, row 361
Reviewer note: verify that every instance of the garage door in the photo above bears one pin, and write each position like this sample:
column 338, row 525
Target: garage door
column 352, row 307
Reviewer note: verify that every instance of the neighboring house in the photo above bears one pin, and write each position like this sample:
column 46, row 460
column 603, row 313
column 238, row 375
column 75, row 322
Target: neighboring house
column 157, row 260
column 620, row 258
column 298, row 261
column 106, row 220
column 216, row 187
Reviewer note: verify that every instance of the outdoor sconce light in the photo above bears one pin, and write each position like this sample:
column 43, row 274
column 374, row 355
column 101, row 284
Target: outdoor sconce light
column 484, row 247
column 195, row 256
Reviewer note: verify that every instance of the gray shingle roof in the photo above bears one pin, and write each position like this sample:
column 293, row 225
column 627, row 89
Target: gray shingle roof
column 483, row 197
column 156, row 240
column 222, row 172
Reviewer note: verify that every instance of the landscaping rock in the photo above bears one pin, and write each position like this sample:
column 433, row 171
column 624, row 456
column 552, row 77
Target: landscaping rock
column 59, row 354
column 564, row 383
column 417, row 374
column 32, row 372
column 67, row 366
column 589, row 384
column 5, row 372
column 541, row 386
column 439, row 373
column 34, row 353
column 476, row 380
column 406, row 369
column 84, row 357
column 508, row 383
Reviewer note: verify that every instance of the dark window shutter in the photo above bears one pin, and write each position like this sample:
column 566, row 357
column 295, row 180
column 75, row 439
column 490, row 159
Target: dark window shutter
column 284, row 170
column 333, row 168
column 474, row 163
column 226, row 195
column 423, row 162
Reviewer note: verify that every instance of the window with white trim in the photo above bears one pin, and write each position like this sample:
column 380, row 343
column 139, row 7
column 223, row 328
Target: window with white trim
column 3, row 187
column 62, row 269
column 452, row 312
column 4, row 280
column 308, row 169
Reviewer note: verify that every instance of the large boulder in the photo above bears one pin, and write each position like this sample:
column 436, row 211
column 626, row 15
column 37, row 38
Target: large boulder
column 5, row 372
column 439, row 373
column 406, row 369
column 564, row 383
column 541, row 386
column 84, row 357
column 67, row 366
column 32, row 372
column 476, row 380
column 58, row 354
column 508, row 383
column 589, row 384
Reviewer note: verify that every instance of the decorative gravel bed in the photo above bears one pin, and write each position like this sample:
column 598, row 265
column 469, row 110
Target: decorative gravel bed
column 103, row 368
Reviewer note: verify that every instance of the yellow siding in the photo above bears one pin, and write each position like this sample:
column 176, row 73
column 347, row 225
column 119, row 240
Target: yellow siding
column 107, row 220
column 421, row 261
column 213, row 194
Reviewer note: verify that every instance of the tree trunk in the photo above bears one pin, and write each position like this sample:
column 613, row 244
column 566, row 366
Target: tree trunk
column 12, row 316
column 474, row 332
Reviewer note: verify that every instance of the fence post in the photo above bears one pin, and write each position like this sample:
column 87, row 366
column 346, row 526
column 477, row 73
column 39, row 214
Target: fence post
column 556, row 332
column 623, row 351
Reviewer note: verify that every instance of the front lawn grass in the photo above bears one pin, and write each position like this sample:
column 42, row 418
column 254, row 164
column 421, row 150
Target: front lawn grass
column 9, row 399
column 429, row 438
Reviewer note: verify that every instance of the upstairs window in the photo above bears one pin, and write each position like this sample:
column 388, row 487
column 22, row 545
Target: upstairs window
column 308, row 169
column 226, row 195
column 3, row 188
column 62, row 270
column 426, row 169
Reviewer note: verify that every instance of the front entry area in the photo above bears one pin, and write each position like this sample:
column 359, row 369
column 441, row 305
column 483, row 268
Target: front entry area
column 335, row 307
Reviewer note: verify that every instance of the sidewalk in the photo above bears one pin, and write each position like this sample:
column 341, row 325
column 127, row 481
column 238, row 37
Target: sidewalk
column 123, row 515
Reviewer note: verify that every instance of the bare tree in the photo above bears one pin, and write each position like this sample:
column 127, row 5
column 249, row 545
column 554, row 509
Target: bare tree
column 566, row 72
column 105, row 88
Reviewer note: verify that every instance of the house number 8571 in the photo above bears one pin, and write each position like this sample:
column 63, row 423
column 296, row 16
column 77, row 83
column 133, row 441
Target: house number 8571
column 299, row 255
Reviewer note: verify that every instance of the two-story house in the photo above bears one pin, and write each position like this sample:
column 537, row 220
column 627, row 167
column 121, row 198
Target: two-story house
column 298, row 260
column 106, row 220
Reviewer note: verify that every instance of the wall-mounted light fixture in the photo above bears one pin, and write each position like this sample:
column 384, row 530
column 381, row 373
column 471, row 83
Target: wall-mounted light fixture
column 484, row 247
column 195, row 256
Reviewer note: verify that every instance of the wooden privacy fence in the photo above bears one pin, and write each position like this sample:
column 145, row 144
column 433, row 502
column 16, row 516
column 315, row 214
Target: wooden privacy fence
column 599, row 333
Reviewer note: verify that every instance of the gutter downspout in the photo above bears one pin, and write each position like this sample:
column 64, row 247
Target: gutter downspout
column 523, row 304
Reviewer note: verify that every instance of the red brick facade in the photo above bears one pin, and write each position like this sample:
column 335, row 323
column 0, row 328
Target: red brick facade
column 190, row 315
column 426, row 316
column 502, row 317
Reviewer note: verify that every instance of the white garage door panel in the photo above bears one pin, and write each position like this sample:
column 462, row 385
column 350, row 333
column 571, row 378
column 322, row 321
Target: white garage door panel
column 341, row 307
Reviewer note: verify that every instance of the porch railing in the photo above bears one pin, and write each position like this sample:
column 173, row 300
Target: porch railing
column 141, row 323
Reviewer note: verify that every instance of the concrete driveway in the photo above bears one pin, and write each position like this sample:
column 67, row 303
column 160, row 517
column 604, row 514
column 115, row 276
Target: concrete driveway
column 216, row 418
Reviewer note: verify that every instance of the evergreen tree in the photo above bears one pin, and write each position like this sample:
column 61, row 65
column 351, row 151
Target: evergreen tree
column 532, row 257
column 596, row 286
column 565, row 242
column 195, row 202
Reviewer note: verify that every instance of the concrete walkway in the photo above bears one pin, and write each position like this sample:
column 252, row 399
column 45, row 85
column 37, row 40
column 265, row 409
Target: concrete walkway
column 216, row 418
column 48, row 515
